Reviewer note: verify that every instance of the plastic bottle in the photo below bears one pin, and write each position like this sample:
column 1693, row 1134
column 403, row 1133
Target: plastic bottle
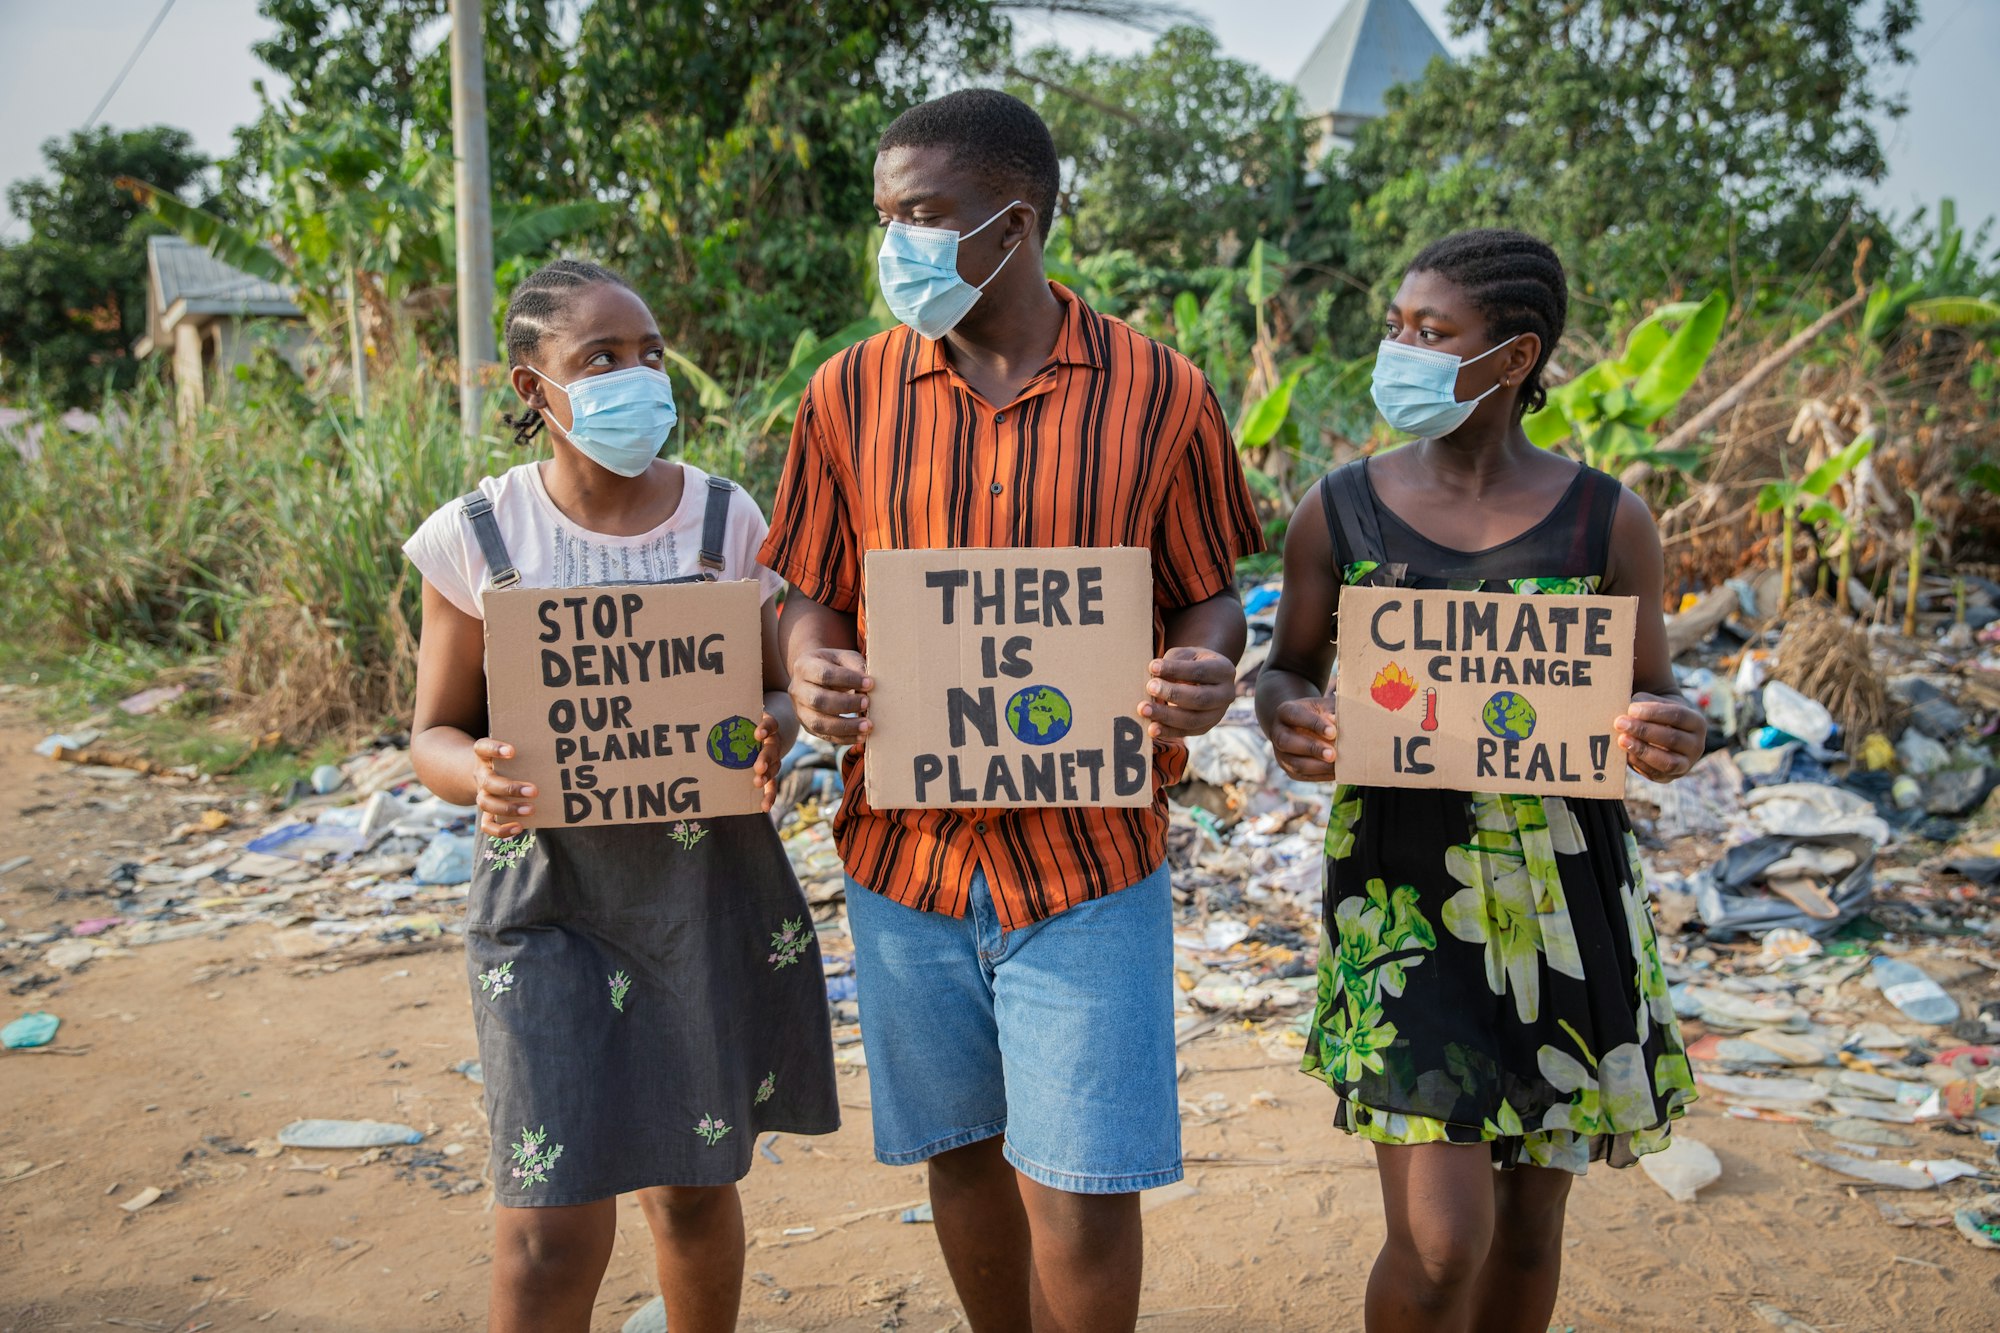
column 1905, row 986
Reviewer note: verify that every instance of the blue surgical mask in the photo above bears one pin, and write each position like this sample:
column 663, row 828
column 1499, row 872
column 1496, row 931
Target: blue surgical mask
column 919, row 271
column 1416, row 388
column 620, row 420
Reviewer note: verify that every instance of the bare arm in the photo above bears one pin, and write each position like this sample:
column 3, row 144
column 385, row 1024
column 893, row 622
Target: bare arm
column 1291, row 692
column 1661, row 733
column 449, row 747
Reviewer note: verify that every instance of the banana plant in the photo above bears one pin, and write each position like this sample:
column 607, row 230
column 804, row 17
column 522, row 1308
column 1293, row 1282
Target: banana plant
column 1922, row 528
column 1937, row 283
column 1607, row 409
column 767, row 406
column 1821, row 512
column 1809, row 494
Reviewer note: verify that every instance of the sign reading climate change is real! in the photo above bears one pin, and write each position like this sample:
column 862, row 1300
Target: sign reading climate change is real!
column 1488, row 692
column 1009, row 677
column 628, row 704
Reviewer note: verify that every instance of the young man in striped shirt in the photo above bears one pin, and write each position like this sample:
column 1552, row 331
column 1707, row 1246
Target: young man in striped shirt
column 1015, row 966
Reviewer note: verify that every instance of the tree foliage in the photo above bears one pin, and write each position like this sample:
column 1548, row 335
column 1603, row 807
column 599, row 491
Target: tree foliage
column 1649, row 142
column 73, row 293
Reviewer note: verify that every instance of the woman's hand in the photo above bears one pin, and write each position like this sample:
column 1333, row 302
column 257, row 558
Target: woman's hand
column 1303, row 735
column 501, row 800
column 769, row 759
column 1662, row 737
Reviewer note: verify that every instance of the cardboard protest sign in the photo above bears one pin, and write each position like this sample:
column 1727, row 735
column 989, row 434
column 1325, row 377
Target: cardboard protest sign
column 1490, row 692
column 1009, row 677
column 629, row 704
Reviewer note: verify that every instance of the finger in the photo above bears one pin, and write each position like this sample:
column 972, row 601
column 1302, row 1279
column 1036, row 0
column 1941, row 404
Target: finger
column 1311, row 715
column 828, row 702
column 832, row 727
column 494, row 830
column 1633, row 735
column 1658, row 764
column 1198, row 666
column 1670, row 711
column 492, row 784
column 845, row 670
column 489, row 749
column 1292, row 743
column 503, row 806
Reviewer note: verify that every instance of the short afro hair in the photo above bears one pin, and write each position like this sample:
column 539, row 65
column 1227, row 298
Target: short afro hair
column 533, row 311
column 997, row 137
column 1515, row 281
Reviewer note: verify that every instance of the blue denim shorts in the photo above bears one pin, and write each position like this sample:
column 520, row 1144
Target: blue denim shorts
column 1059, row 1035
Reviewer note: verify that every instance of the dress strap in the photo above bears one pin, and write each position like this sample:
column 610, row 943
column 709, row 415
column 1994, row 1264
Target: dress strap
column 1355, row 525
column 500, row 570
column 1596, row 511
column 715, row 523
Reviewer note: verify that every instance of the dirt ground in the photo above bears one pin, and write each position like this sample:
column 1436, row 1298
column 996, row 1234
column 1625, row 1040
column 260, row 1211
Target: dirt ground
column 175, row 1059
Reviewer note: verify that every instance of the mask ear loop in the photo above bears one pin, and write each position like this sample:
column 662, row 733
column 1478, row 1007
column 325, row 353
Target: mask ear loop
column 1011, row 253
column 548, row 413
column 1495, row 386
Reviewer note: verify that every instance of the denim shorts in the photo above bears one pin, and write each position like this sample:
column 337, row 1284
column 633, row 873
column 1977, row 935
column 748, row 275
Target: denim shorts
column 1059, row 1035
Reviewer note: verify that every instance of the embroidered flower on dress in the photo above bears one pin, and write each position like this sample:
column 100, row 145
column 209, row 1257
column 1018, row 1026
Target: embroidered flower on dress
column 620, row 983
column 534, row 1157
column 766, row 1088
column 788, row 944
column 687, row 833
column 506, row 853
column 711, row 1129
column 497, row 981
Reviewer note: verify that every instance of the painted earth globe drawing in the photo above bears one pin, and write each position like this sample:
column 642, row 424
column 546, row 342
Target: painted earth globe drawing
column 1039, row 715
column 732, row 742
column 1508, row 716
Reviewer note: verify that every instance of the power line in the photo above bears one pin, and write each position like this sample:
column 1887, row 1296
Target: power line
column 137, row 51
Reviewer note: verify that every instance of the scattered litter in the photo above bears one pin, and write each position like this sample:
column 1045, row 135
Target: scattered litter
column 327, row 779
column 1875, row 1173
column 147, row 701
column 472, row 1069
column 1907, row 987
column 650, row 1318
column 31, row 1029
column 1682, row 1168
column 145, row 1197
column 920, row 1213
column 446, row 860
column 346, row 1134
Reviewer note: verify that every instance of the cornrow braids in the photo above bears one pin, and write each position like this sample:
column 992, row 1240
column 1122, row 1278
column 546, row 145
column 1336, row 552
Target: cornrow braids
column 533, row 312
column 1516, row 282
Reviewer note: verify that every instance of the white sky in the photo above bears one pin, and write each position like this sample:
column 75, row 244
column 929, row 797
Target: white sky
column 57, row 57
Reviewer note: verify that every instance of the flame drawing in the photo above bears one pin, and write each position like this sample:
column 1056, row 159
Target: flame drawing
column 1393, row 687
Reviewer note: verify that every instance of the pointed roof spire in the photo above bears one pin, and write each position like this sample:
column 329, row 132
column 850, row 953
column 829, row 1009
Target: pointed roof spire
column 1371, row 46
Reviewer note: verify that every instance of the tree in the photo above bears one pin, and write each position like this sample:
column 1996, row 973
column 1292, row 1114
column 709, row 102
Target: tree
column 73, row 294
column 1171, row 152
column 1649, row 141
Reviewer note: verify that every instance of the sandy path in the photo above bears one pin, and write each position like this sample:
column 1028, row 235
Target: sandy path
column 196, row 1048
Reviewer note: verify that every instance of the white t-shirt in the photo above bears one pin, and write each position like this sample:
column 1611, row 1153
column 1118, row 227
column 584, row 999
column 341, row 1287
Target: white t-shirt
column 551, row 551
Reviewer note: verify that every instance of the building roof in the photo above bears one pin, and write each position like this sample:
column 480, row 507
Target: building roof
column 184, row 272
column 1371, row 46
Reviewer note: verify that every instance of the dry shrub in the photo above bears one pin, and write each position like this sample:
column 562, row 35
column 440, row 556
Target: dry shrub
column 1824, row 656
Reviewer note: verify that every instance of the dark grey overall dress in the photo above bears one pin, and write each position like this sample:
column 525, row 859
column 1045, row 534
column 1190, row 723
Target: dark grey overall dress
column 648, row 998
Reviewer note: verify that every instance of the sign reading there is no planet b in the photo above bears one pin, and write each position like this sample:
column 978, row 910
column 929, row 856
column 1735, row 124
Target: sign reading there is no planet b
column 630, row 703
column 1486, row 692
column 1009, row 677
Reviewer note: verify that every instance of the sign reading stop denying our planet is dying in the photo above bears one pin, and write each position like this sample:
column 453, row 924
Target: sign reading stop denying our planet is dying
column 1009, row 677
column 628, row 704
column 1488, row 692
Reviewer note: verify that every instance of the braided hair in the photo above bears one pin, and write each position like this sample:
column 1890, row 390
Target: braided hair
column 533, row 312
column 1516, row 282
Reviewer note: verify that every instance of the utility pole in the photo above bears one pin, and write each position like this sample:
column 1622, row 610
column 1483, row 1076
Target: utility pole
column 474, row 213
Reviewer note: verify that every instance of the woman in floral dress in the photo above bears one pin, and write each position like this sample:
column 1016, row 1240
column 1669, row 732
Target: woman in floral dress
column 1490, row 990
column 648, row 998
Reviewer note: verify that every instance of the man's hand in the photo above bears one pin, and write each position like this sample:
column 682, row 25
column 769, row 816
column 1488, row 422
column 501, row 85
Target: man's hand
column 1303, row 735
column 500, row 800
column 1189, row 692
column 1662, row 738
column 830, row 690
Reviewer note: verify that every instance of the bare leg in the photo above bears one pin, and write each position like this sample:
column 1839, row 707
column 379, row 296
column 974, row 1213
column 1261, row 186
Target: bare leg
column 1516, row 1291
column 547, row 1264
column 698, row 1245
column 1089, row 1254
column 1438, row 1198
column 983, row 1230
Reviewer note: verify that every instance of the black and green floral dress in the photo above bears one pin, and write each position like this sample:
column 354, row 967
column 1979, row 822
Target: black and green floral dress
column 1488, row 971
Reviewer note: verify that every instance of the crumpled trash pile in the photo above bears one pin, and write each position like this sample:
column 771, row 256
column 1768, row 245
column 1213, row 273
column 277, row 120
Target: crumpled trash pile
column 371, row 865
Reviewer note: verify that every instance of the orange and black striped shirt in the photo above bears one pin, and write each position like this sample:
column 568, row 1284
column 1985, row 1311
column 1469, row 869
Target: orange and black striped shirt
column 1117, row 441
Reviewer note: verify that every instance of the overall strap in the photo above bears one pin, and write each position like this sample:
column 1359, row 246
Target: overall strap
column 500, row 570
column 715, row 523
